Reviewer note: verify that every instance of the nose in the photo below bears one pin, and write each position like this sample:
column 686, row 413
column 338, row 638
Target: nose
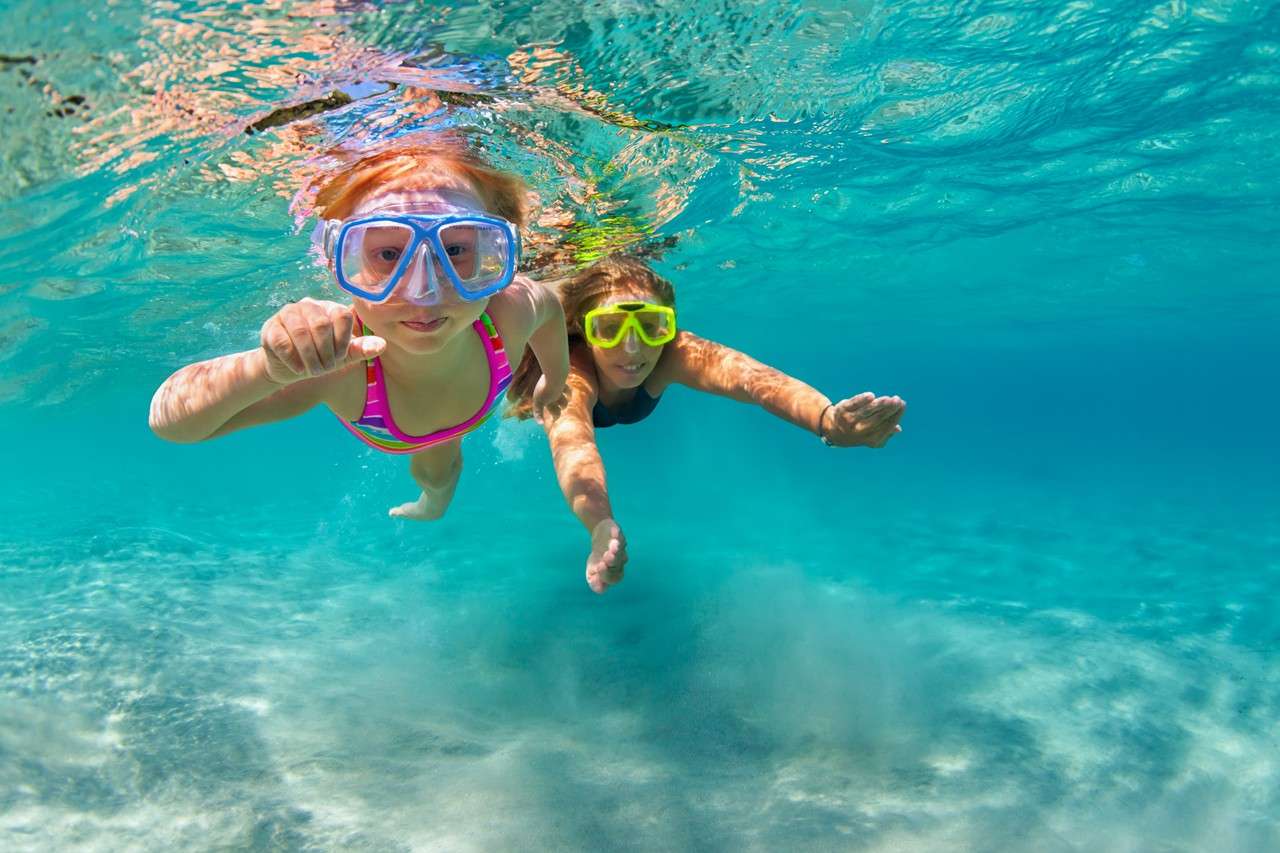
column 419, row 283
column 631, row 343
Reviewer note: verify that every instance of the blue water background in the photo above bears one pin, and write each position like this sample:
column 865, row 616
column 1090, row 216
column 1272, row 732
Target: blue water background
column 1043, row 618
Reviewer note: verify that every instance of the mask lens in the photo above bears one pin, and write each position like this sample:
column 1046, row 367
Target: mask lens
column 608, row 327
column 655, row 325
column 370, row 254
column 479, row 253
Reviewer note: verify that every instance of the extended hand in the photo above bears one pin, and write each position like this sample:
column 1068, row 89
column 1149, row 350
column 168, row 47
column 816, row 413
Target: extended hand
column 863, row 420
column 311, row 338
column 608, row 556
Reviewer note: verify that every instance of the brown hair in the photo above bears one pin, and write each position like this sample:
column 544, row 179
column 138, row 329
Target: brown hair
column 337, row 191
column 579, row 294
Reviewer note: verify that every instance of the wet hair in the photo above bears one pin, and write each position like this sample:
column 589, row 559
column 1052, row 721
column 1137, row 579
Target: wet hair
column 578, row 295
column 339, row 189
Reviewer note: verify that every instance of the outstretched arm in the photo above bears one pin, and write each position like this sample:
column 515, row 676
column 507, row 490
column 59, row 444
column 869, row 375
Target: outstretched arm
column 717, row 369
column 550, row 346
column 303, row 346
column 530, row 312
column 580, row 473
column 214, row 397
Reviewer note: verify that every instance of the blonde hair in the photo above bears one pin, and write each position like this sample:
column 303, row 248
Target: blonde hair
column 578, row 295
column 337, row 191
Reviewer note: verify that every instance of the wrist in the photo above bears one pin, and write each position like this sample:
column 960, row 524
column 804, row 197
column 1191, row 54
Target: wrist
column 260, row 372
column 590, row 512
column 824, row 418
column 605, row 524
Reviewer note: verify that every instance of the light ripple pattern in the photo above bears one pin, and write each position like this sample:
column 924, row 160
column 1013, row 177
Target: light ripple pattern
column 1044, row 618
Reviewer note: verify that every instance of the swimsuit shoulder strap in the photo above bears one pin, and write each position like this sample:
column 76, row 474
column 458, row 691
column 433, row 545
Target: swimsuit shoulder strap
column 376, row 409
column 499, row 366
column 377, row 428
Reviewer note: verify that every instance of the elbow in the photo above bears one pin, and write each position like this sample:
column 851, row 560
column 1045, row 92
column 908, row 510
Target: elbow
column 165, row 427
column 165, row 430
column 159, row 424
column 749, row 392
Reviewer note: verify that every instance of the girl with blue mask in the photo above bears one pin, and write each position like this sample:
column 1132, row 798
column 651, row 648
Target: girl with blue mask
column 425, row 241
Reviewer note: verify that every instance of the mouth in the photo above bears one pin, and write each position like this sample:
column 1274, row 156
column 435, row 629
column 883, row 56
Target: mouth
column 633, row 369
column 425, row 325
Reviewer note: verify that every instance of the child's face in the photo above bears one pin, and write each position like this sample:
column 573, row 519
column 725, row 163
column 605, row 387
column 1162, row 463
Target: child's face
column 628, row 364
column 421, row 329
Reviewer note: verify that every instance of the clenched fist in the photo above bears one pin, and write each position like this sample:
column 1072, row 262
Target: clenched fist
column 313, row 337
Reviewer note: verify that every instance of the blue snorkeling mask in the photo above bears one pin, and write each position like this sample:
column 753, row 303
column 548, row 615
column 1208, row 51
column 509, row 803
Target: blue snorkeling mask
column 417, row 254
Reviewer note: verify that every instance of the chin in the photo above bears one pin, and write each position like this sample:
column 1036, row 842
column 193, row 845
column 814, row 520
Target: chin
column 419, row 347
column 424, row 343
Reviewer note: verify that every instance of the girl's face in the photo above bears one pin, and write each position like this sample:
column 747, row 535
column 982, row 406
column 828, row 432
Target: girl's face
column 628, row 364
column 420, row 329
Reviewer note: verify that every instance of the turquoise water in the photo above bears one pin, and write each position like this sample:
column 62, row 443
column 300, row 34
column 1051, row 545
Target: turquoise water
column 1043, row 618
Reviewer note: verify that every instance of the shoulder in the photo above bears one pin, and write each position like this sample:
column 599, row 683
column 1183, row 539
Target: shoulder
column 686, row 356
column 515, row 308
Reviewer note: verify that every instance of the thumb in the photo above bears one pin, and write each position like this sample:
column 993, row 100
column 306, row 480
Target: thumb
column 366, row 346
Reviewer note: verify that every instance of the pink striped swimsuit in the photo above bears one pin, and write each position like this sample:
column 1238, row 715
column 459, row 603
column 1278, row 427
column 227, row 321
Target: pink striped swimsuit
column 378, row 429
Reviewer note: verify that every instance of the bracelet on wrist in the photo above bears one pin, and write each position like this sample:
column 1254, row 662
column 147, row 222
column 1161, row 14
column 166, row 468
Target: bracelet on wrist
column 822, row 416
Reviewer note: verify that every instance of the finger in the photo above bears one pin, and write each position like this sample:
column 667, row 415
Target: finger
column 879, row 439
column 275, row 337
column 855, row 404
column 594, row 581
column 889, row 432
column 879, row 436
column 313, row 315
column 365, row 347
column 300, row 337
column 322, row 336
column 864, row 397
column 343, row 325
column 880, row 414
column 883, row 403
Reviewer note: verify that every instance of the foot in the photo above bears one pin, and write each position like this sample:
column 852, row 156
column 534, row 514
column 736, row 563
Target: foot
column 425, row 508
column 437, row 491
column 608, row 556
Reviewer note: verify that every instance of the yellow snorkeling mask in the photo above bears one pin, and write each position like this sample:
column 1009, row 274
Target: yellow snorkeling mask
column 607, row 325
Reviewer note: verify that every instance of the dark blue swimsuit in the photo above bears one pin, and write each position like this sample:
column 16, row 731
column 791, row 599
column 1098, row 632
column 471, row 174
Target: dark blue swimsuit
column 634, row 410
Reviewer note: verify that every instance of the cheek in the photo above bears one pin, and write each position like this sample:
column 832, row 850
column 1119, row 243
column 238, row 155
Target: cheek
column 468, row 311
column 370, row 311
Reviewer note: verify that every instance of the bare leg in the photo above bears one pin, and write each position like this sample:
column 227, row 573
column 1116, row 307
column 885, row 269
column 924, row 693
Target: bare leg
column 436, row 470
